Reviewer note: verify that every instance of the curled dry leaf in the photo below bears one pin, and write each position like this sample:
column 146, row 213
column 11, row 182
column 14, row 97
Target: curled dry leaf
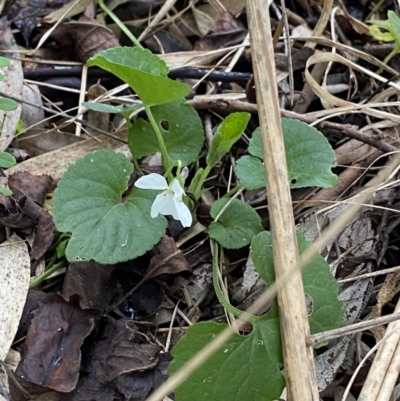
column 122, row 350
column 24, row 209
column 227, row 31
column 14, row 284
column 10, row 86
column 25, row 15
column 85, row 37
column 167, row 259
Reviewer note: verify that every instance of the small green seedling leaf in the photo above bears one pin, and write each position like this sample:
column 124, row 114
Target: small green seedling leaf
column 309, row 156
column 143, row 71
column 228, row 132
column 7, row 160
column 237, row 225
column 244, row 368
column 106, row 228
column 318, row 281
column 8, row 104
column 103, row 107
column 5, row 191
column 376, row 32
column 394, row 21
column 391, row 26
column 180, row 127
column 4, row 61
column 20, row 127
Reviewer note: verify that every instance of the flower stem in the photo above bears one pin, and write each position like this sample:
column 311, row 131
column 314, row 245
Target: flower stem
column 134, row 159
column 233, row 191
column 218, row 290
column 46, row 274
column 160, row 139
column 198, row 181
column 120, row 24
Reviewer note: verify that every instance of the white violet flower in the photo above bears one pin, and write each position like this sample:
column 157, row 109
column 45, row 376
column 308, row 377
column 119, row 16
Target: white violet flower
column 168, row 202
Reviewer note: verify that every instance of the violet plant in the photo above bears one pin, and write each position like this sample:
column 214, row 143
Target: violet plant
column 110, row 225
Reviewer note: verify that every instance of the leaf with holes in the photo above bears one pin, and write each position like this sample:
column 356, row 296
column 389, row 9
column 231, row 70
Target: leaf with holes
column 319, row 284
column 237, row 226
column 105, row 226
column 309, row 157
column 143, row 71
column 180, row 127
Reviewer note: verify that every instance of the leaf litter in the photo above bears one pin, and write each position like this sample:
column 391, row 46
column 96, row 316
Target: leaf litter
column 99, row 331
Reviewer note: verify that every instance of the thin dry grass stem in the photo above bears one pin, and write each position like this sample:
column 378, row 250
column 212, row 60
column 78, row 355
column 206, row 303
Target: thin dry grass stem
column 298, row 359
column 333, row 50
column 189, row 234
column 228, row 203
column 369, row 275
column 352, row 329
column 288, row 49
column 212, row 69
column 54, row 62
column 237, row 54
column 54, row 27
column 160, row 15
column 385, row 368
column 82, row 94
column 55, row 115
column 321, row 24
column 393, row 333
column 180, row 313
column 171, row 325
column 217, row 5
column 58, row 87
column 318, row 70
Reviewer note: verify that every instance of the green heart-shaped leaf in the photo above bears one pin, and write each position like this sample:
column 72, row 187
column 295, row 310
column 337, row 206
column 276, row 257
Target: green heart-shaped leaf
column 106, row 228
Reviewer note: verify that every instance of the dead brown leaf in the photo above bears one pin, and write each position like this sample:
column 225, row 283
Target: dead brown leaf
column 227, row 31
column 86, row 37
column 51, row 355
column 25, row 210
column 34, row 187
column 87, row 280
column 89, row 388
column 123, row 350
column 167, row 259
